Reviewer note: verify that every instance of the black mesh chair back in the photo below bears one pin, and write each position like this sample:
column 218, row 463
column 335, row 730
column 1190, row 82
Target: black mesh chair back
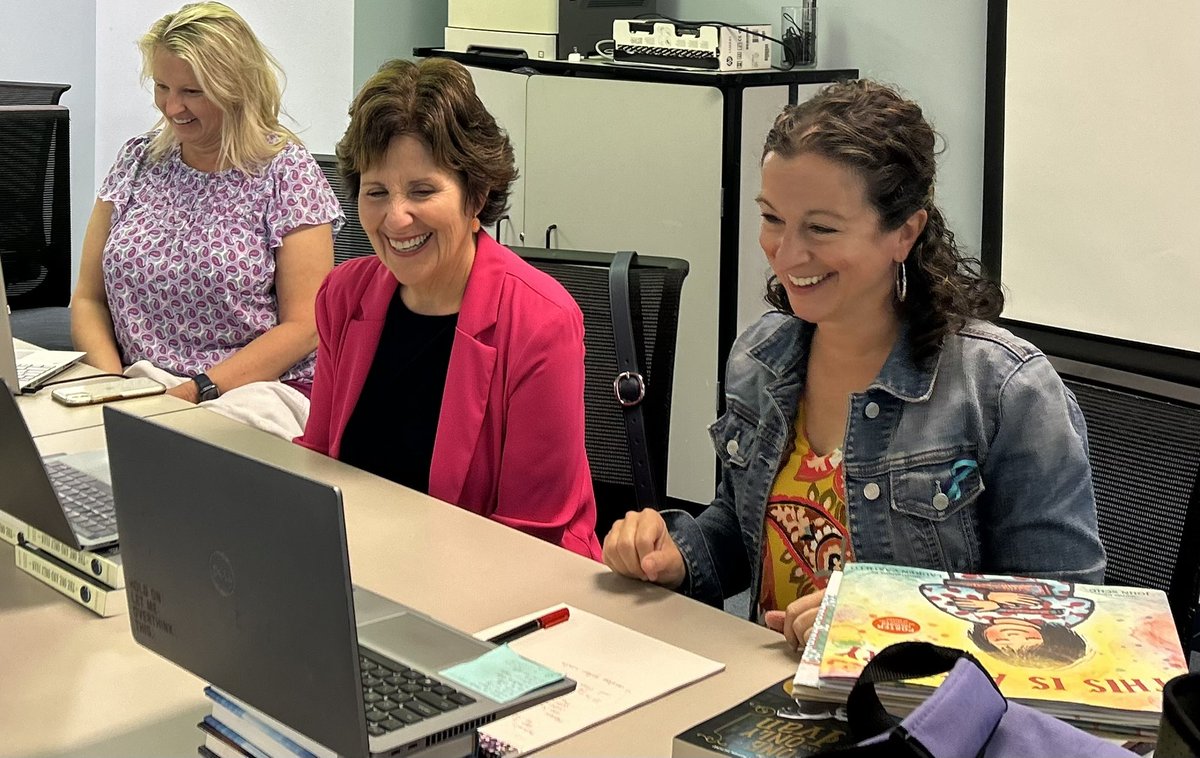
column 35, row 205
column 31, row 93
column 1145, row 454
column 655, row 287
column 351, row 241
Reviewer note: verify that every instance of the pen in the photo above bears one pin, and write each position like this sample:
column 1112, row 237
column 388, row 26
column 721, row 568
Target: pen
column 520, row 630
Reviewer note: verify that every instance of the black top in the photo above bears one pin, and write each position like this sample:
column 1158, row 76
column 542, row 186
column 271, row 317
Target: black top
column 393, row 426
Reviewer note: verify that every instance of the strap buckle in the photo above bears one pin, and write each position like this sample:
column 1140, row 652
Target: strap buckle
column 626, row 385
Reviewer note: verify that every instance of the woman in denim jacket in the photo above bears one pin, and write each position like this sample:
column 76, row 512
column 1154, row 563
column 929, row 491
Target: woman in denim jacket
column 875, row 414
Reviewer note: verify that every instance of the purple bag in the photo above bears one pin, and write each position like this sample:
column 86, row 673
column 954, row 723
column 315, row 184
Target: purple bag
column 966, row 715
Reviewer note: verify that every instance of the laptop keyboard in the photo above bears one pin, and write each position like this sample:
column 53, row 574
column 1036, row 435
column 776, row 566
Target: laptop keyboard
column 27, row 372
column 87, row 501
column 396, row 696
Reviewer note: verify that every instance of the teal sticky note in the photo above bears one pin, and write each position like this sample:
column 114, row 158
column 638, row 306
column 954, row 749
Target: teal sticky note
column 501, row 674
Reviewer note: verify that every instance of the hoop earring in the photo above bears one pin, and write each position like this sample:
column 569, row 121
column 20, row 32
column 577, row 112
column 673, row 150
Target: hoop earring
column 901, row 283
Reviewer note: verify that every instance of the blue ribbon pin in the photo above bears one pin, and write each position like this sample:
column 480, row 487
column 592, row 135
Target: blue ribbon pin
column 960, row 471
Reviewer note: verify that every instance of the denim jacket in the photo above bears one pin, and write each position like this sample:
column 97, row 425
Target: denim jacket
column 973, row 461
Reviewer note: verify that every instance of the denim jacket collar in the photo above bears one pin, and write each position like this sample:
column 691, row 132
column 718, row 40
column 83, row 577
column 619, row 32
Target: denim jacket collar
column 783, row 351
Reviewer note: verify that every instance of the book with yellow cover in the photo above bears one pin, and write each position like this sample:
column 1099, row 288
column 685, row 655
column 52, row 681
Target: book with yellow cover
column 102, row 566
column 1095, row 655
column 10, row 529
column 96, row 597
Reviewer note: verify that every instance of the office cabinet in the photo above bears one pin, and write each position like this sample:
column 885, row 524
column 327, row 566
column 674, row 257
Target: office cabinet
column 658, row 161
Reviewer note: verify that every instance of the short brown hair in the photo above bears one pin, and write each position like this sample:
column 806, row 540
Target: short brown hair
column 434, row 101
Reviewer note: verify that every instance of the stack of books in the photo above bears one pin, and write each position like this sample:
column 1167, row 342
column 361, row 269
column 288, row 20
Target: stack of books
column 1094, row 656
column 95, row 580
column 235, row 730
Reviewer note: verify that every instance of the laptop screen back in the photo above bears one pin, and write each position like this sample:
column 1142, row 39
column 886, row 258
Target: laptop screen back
column 237, row 571
column 25, row 491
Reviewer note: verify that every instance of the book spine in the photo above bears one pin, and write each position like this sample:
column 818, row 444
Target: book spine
column 101, row 600
column 250, row 721
column 225, row 734
column 11, row 529
column 103, row 568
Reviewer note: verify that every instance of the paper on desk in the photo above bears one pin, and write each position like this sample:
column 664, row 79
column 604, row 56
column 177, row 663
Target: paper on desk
column 501, row 674
column 615, row 670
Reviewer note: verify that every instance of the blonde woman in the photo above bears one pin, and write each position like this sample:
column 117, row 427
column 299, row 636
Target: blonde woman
column 212, row 232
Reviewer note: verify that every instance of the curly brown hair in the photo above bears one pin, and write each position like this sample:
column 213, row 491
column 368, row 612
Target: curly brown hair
column 886, row 140
column 434, row 101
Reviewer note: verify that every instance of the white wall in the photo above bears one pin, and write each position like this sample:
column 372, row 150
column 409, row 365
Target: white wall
column 386, row 29
column 931, row 49
column 55, row 41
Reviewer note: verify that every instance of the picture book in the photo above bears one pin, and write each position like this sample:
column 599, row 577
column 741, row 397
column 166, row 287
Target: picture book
column 771, row 723
column 1095, row 655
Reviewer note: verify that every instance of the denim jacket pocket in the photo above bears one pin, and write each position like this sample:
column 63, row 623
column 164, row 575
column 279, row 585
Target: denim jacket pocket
column 733, row 437
column 933, row 509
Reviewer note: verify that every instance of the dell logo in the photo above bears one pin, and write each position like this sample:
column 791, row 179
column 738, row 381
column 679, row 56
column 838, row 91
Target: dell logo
column 220, row 570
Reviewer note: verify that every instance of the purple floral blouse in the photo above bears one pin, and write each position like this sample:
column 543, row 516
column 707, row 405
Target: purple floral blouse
column 189, row 266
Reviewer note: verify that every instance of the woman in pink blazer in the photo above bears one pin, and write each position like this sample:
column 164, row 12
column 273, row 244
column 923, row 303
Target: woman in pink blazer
column 446, row 363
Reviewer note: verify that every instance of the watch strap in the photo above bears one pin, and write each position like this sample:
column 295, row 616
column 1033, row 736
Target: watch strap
column 208, row 389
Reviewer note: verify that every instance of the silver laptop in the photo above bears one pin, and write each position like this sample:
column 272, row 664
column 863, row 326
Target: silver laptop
column 25, row 370
column 65, row 496
column 236, row 569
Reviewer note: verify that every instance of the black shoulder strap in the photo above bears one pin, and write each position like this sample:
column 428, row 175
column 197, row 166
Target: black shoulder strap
column 629, row 386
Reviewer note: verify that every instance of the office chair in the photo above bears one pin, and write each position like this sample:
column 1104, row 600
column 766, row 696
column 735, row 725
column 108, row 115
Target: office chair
column 35, row 205
column 627, row 473
column 351, row 241
column 1144, row 448
column 31, row 93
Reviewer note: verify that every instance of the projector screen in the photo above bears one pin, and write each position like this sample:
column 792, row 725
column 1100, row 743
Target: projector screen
column 1101, row 168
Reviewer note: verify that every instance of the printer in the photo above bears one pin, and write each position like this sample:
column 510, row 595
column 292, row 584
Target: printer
column 538, row 29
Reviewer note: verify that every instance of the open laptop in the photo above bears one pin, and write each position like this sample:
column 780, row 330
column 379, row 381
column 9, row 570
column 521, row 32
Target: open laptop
column 26, row 370
column 65, row 496
column 236, row 569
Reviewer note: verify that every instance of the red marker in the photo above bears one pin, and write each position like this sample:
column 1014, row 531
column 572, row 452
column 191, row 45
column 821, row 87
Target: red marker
column 550, row 619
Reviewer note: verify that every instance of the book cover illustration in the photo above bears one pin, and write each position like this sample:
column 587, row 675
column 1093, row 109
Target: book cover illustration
column 1101, row 646
column 771, row 723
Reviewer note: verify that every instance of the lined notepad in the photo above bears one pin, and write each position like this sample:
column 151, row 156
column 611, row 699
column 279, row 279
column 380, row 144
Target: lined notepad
column 615, row 668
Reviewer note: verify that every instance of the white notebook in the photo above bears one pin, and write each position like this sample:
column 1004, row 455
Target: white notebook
column 609, row 664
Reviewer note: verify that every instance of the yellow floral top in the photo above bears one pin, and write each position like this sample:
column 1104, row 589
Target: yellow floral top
column 805, row 527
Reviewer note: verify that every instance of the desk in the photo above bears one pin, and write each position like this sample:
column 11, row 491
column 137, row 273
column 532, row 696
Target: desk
column 44, row 416
column 86, row 688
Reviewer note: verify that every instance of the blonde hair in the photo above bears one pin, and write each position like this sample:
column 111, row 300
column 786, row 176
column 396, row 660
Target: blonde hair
column 237, row 74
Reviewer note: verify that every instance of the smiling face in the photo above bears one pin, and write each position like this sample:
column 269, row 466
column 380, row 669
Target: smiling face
column 195, row 119
column 1014, row 637
column 415, row 215
column 824, row 242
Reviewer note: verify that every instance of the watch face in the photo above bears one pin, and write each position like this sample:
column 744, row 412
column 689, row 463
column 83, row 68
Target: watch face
column 207, row 389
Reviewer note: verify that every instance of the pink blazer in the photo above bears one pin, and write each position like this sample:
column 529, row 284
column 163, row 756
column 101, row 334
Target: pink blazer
column 509, row 443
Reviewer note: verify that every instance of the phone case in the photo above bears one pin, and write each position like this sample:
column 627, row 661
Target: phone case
column 102, row 392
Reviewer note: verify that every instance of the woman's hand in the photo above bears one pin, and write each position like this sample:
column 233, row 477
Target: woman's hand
column 640, row 546
column 797, row 621
column 186, row 391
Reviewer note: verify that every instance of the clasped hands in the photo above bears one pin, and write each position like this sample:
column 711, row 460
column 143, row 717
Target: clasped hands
column 639, row 546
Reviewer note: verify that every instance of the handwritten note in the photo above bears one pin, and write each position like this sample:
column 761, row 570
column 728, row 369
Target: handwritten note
column 609, row 665
column 501, row 674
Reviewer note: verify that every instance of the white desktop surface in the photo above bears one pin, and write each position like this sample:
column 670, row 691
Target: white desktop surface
column 43, row 415
column 76, row 684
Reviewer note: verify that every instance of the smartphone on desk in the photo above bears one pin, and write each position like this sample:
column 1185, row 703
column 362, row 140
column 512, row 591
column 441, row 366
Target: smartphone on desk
column 103, row 392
